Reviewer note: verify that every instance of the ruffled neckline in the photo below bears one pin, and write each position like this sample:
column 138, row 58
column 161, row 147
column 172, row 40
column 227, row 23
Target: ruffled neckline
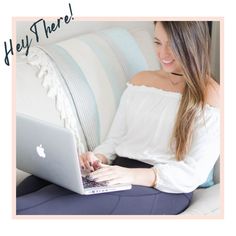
column 165, row 92
column 168, row 93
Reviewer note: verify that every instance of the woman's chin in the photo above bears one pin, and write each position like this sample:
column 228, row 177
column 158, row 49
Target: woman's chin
column 169, row 69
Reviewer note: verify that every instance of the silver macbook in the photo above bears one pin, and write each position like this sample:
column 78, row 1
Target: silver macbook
column 49, row 152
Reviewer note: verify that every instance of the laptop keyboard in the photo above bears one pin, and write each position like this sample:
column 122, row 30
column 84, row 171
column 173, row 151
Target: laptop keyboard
column 91, row 184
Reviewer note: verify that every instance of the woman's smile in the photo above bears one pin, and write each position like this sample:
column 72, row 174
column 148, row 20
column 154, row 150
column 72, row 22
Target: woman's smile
column 167, row 62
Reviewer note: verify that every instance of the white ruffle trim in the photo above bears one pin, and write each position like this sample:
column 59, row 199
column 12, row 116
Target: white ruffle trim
column 47, row 70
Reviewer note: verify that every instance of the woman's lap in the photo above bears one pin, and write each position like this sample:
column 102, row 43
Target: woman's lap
column 38, row 197
column 54, row 200
column 30, row 184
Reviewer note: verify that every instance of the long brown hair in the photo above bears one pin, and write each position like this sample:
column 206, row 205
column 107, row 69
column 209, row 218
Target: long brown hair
column 190, row 42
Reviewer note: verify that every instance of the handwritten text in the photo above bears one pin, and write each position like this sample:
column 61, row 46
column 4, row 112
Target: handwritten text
column 26, row 42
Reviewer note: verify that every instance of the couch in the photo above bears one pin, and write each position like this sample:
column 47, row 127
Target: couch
column 77, row 82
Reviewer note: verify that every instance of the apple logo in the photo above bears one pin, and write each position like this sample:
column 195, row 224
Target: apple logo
column 40, row 151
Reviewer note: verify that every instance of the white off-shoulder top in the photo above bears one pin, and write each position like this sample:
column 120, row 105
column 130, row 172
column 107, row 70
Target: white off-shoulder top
column 142, row 129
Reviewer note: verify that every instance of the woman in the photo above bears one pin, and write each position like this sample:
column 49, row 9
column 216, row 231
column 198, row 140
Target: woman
column 164, row 139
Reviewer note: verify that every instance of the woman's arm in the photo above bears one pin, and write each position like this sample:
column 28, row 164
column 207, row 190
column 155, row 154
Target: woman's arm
column 144, row 176
column 123, row 175
column 187, row 175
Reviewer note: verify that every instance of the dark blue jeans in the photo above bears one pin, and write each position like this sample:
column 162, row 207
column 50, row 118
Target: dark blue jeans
column 37, row 197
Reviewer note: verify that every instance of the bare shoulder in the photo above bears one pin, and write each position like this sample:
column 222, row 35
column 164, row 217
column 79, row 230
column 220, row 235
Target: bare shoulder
column 140, row 77
column 145, row 78
column 213, row 93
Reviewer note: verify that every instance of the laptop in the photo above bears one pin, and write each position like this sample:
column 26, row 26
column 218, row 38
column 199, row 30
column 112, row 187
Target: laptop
column 49, row 152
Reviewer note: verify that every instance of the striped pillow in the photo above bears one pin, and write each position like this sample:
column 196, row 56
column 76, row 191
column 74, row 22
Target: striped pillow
column 94, row 69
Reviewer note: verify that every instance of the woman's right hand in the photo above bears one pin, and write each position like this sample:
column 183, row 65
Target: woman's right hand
column 90, row 162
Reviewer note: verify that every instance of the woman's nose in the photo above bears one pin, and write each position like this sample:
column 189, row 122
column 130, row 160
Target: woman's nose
column 165, row 52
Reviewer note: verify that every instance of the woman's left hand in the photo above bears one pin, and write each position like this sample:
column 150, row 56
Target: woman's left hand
column 113, row 175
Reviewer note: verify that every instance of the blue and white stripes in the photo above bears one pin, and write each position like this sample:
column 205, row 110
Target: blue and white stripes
column 94, row 69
